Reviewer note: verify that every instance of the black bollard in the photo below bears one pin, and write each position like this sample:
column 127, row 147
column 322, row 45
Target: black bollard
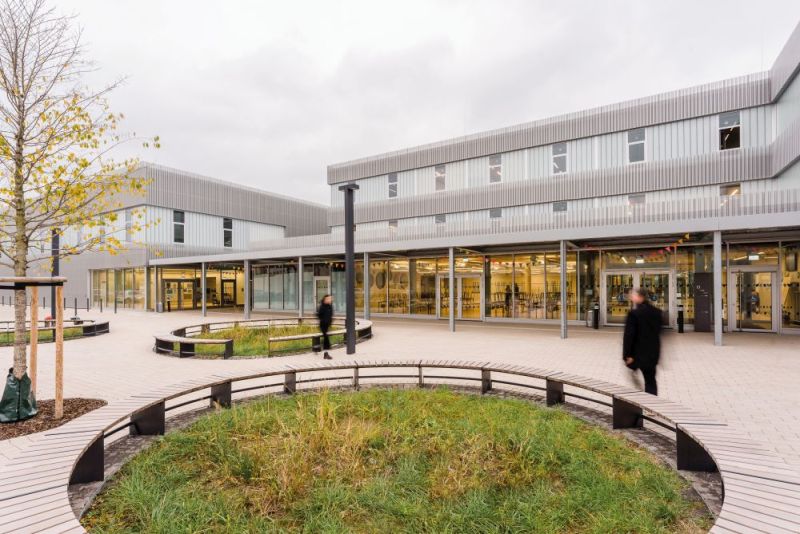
column 101, row 305
column 680, row 318
column 75, row 307
column 596, row 317
column 115, row 304
column 87, row 304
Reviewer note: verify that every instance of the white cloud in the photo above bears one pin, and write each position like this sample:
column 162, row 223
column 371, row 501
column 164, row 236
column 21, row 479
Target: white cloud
column 269, row 93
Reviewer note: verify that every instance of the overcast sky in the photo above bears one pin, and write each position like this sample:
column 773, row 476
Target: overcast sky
column 269, row 93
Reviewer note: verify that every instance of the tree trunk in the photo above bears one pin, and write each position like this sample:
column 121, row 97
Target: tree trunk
column 20, row 342
column 20, row 250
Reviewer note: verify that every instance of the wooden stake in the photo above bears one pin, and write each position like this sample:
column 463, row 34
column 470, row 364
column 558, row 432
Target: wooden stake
column 58, row 409
column 34, row 335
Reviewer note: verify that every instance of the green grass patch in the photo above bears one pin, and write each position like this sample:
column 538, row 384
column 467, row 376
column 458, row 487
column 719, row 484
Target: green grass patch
column 394, row 461
column 254, row 341
column 45, row 336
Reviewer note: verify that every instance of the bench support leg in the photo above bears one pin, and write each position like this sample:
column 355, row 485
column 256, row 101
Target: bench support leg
column 626, row 415
column 290, row 383
column 421, row 380
column 554, row 392
column 185, row 349
column 228, row 350
column 355, row 378
column 148, row 422
column 221, row 394
column 690, row 455
column 164, row 346
column 486, row 380
column 90, row 466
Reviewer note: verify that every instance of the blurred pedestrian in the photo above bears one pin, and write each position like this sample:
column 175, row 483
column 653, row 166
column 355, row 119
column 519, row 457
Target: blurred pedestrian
column 641, row 343
column 325, row 316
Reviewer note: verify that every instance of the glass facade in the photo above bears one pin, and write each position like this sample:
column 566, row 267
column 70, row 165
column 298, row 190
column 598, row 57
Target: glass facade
column 790, row 288
column 125, row 286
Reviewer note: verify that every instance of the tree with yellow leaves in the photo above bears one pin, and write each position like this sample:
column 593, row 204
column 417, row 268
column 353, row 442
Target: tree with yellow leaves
column 56, row 141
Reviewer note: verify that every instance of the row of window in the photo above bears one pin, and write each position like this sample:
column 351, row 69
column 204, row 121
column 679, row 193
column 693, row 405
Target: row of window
column 729, row 135
column 179, row 229
column 637, row 199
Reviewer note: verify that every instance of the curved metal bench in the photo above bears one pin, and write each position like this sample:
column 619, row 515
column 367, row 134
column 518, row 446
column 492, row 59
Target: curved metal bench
column 89, row 328
column 761, row 491
column 185, row 338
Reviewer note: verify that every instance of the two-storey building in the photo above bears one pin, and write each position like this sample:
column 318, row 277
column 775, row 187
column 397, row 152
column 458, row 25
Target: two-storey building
column 693, row 194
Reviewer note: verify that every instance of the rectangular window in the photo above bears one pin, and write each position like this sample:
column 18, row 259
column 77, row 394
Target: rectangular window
column 729, row 131
column 440, row 171
column 730, row 190
column 636, row 140
column 393, row 225
column 495, row 213
column 636, row 200
column 392, row 185
column 495, row 169
column 559, row 206
column 227, row 232
column 441, row 218
column 559, row 158
column 128, row 225
column 178, row 223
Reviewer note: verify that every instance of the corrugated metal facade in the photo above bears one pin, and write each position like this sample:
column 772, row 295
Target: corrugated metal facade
column 175, row 189
column 710, row 99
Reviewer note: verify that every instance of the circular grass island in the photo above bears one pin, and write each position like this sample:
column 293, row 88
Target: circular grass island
column 395, row 460
column 252, row 342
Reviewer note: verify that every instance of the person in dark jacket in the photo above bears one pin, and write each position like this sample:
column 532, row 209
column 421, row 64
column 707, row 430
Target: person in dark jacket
column 641, row 343
column 325, row 316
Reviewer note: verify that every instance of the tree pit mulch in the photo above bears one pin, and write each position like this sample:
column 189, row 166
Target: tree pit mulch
column 44, row 419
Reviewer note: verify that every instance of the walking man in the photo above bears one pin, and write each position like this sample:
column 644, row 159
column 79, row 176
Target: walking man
column 641, row 343
column 325, row 316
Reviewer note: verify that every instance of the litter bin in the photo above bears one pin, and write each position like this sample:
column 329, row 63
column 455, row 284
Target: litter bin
column 590, row 317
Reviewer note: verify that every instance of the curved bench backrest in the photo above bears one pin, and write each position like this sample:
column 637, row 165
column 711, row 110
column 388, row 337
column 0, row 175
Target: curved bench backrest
column 762, row 492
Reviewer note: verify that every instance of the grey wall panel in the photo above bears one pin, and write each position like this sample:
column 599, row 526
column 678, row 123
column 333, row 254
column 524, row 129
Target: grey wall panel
column 785, row 67
column 715, row 168
column 737, row 93
column 175, row 189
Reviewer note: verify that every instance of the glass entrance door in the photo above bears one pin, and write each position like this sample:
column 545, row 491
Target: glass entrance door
column 469, row 297
column 657, row 287
column 178, row 295
column 229, row 292
column 618, row 287
column 322, row 287
column 752, row 301
column 468, row 301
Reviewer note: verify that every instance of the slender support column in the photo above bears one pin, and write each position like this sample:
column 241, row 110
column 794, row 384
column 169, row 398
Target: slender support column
column 300, row 296
column 563, row 289
column 350, row 265
column 451, row 284
column 717, row 288
column 158, row 292
column 34, row 337
column 247, row 290
column 147, row 295
column 203, row 291
column 54, row 268
column 366, row 286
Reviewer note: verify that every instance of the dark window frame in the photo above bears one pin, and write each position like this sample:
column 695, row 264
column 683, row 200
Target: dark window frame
column 392, row 184
column 496, row 169
column 227, row 232
column 559, row 158
column 440, row 177
column 178, row 226
column 637, row 140
column 730, row 130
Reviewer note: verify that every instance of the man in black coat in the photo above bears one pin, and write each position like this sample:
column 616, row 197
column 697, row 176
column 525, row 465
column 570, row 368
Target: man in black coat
column 325, row 316
column 641, row 343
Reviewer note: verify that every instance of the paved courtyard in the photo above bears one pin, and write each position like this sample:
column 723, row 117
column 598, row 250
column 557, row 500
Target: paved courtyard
column 751, row 382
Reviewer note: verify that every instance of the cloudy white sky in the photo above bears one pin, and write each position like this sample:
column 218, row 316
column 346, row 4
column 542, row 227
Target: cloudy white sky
column 268, row 93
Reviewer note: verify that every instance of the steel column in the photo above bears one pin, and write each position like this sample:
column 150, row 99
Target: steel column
column 203, row 304
column 247, row 290
column 54, row 269
column 350, row 265
column 451, row 281
column 300, row 296
column 717, row 288
column 366, row 286
column 563, row 288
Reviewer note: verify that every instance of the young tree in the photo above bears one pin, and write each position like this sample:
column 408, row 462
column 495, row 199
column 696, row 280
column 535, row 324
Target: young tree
column 56, row 136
